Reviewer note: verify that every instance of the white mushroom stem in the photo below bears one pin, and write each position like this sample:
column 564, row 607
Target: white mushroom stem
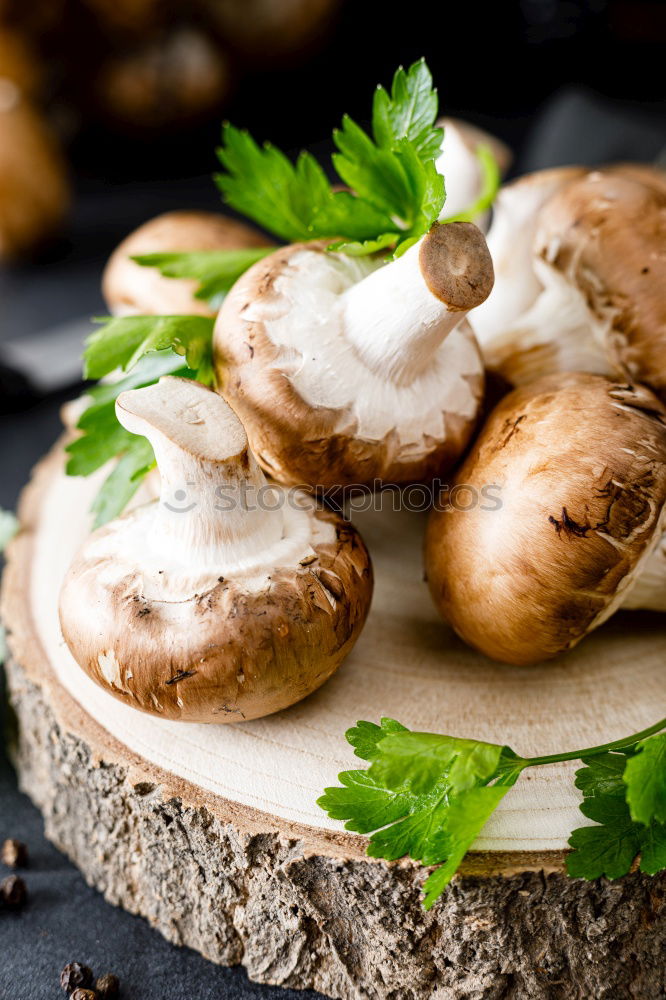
column 648, row 591
column 511, row 244
column 460, row 165
column 215, row 510
column 398, row 316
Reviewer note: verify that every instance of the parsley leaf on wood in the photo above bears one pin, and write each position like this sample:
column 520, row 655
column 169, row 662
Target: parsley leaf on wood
column 215, row 270
column 467, row 815
column 424, row 795
column 429, row 796
column 611, row 847
column 645, row 778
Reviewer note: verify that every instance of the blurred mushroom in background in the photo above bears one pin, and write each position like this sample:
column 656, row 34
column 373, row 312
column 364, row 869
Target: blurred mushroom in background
column 138, row 67
column 33, row 186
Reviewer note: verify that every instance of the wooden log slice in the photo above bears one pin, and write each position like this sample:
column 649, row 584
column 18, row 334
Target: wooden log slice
column 212, row 832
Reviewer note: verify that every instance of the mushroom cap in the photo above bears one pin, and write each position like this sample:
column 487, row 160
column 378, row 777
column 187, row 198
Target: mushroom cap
column 352, row 433
column 233, row 653
column 131, row 289
column 18, row 62
column 176, row 612
column 606, row 233
column 34, row 193
column 577, row 464
column 270, row 29
column 172, row 79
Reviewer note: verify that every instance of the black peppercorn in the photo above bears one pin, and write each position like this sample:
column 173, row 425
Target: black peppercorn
column 13, row 892
column 14, row 854
column 81, row 994
column 74, row 975
column 107, row 987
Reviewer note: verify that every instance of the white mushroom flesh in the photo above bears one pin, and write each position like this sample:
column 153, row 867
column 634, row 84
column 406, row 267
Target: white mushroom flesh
column 217, row 516
column 371, row 340
column 459, row 164
column 534, row 321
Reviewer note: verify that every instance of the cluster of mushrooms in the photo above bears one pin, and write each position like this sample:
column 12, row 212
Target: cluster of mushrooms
column 335, row 370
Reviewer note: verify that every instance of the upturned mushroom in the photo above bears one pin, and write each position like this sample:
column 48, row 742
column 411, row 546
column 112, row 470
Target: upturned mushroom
column 574, row 529
column 579, row 281
column 348, row 370
column 130, row 289
column 227, row 599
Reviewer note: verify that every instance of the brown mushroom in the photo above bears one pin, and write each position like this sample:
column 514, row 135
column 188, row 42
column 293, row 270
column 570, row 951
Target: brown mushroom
column 269, row 29
column 228, row 598
column 605, row 234
column 33, row 188
column 18, row 63
column 349, row 370
column 137, row 16
column 131, row 289
column 556, row 518
column 579, row 279
column 172, row 80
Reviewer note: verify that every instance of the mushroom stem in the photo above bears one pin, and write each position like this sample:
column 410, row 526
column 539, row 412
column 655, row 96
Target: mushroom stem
column 398, row 316
column 648, row 591
column 216, row 509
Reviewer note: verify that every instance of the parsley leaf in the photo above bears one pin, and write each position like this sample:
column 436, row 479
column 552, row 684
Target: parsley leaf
column 418, row 761
column 429, row 796
column 8, row 527
column 466, row 817
column 424, row 795
column 396, row 190
column 123, row 481
column 610, row 847
column 645, row 778
column 408, row 112
column 262, row 183
column 120, row 342
column 365, row 736
column 374, row 172
column 215, row 270
column 102, row 437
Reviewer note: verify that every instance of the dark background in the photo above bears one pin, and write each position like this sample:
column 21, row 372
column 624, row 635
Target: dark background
column 580, row 80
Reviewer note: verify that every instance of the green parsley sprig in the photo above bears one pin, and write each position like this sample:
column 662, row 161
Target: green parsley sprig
column 396, row 192
column 396, row 195
column 216, row 271
column 146, row 347
column 428, row 797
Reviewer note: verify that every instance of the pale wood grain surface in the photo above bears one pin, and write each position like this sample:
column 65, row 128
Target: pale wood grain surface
column 407, row 664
